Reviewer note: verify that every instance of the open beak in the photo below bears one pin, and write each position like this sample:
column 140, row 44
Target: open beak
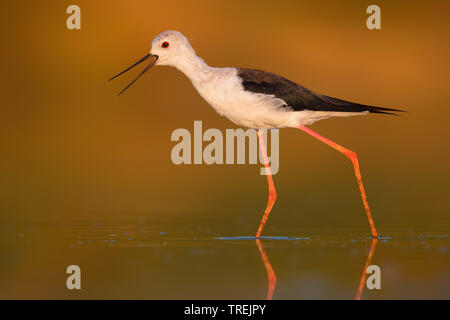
column 153, row 58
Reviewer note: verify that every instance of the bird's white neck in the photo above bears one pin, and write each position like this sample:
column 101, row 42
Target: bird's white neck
column 194, row 67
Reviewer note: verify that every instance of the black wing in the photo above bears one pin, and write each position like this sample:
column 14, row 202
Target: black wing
column 298, row 97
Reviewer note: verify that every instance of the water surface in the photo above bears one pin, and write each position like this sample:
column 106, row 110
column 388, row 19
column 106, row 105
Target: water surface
column 136, row 258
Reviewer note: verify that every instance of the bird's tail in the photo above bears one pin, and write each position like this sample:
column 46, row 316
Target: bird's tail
column 347, row 106
column 381, row 110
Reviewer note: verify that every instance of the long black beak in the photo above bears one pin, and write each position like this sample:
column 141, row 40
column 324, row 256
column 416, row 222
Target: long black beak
column 153, row 59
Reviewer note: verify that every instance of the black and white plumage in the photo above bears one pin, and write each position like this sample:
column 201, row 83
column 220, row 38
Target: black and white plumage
column 297, row 97
column 250, row 98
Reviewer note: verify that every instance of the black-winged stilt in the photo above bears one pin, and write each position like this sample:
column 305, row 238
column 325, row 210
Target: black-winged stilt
column 257, row 99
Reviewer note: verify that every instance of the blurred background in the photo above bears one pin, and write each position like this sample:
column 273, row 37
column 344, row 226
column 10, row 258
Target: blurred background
column 73, row 152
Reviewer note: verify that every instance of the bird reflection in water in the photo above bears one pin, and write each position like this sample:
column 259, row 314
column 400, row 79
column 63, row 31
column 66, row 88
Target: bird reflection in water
column 272, row 278
column 364, row 274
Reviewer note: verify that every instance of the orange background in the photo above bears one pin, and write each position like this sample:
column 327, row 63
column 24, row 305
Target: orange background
column 70, row 147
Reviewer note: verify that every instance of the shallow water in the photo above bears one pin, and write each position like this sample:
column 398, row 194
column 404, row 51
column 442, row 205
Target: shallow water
column 165, row 260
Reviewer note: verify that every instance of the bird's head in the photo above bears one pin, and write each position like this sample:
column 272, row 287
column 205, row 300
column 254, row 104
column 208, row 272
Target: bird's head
column 168, row 49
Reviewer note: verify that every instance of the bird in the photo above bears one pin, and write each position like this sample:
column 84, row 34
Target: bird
column 260, row 100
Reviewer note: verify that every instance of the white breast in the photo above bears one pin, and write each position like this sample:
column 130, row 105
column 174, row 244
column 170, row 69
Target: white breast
column 225, row 93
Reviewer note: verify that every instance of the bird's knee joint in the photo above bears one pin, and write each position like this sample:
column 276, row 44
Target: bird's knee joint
column 273, row 195
column 351, row 155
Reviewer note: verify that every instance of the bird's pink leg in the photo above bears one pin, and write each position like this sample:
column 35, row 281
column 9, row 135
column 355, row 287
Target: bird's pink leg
column 271, row 277
column 272, row 191
column 354, row 159
column 373, row 245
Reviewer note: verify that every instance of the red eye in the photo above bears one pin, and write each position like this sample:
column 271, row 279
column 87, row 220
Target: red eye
column 165, row 44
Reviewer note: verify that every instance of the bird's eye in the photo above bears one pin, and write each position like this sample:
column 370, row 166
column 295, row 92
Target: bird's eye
column 165, row 44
